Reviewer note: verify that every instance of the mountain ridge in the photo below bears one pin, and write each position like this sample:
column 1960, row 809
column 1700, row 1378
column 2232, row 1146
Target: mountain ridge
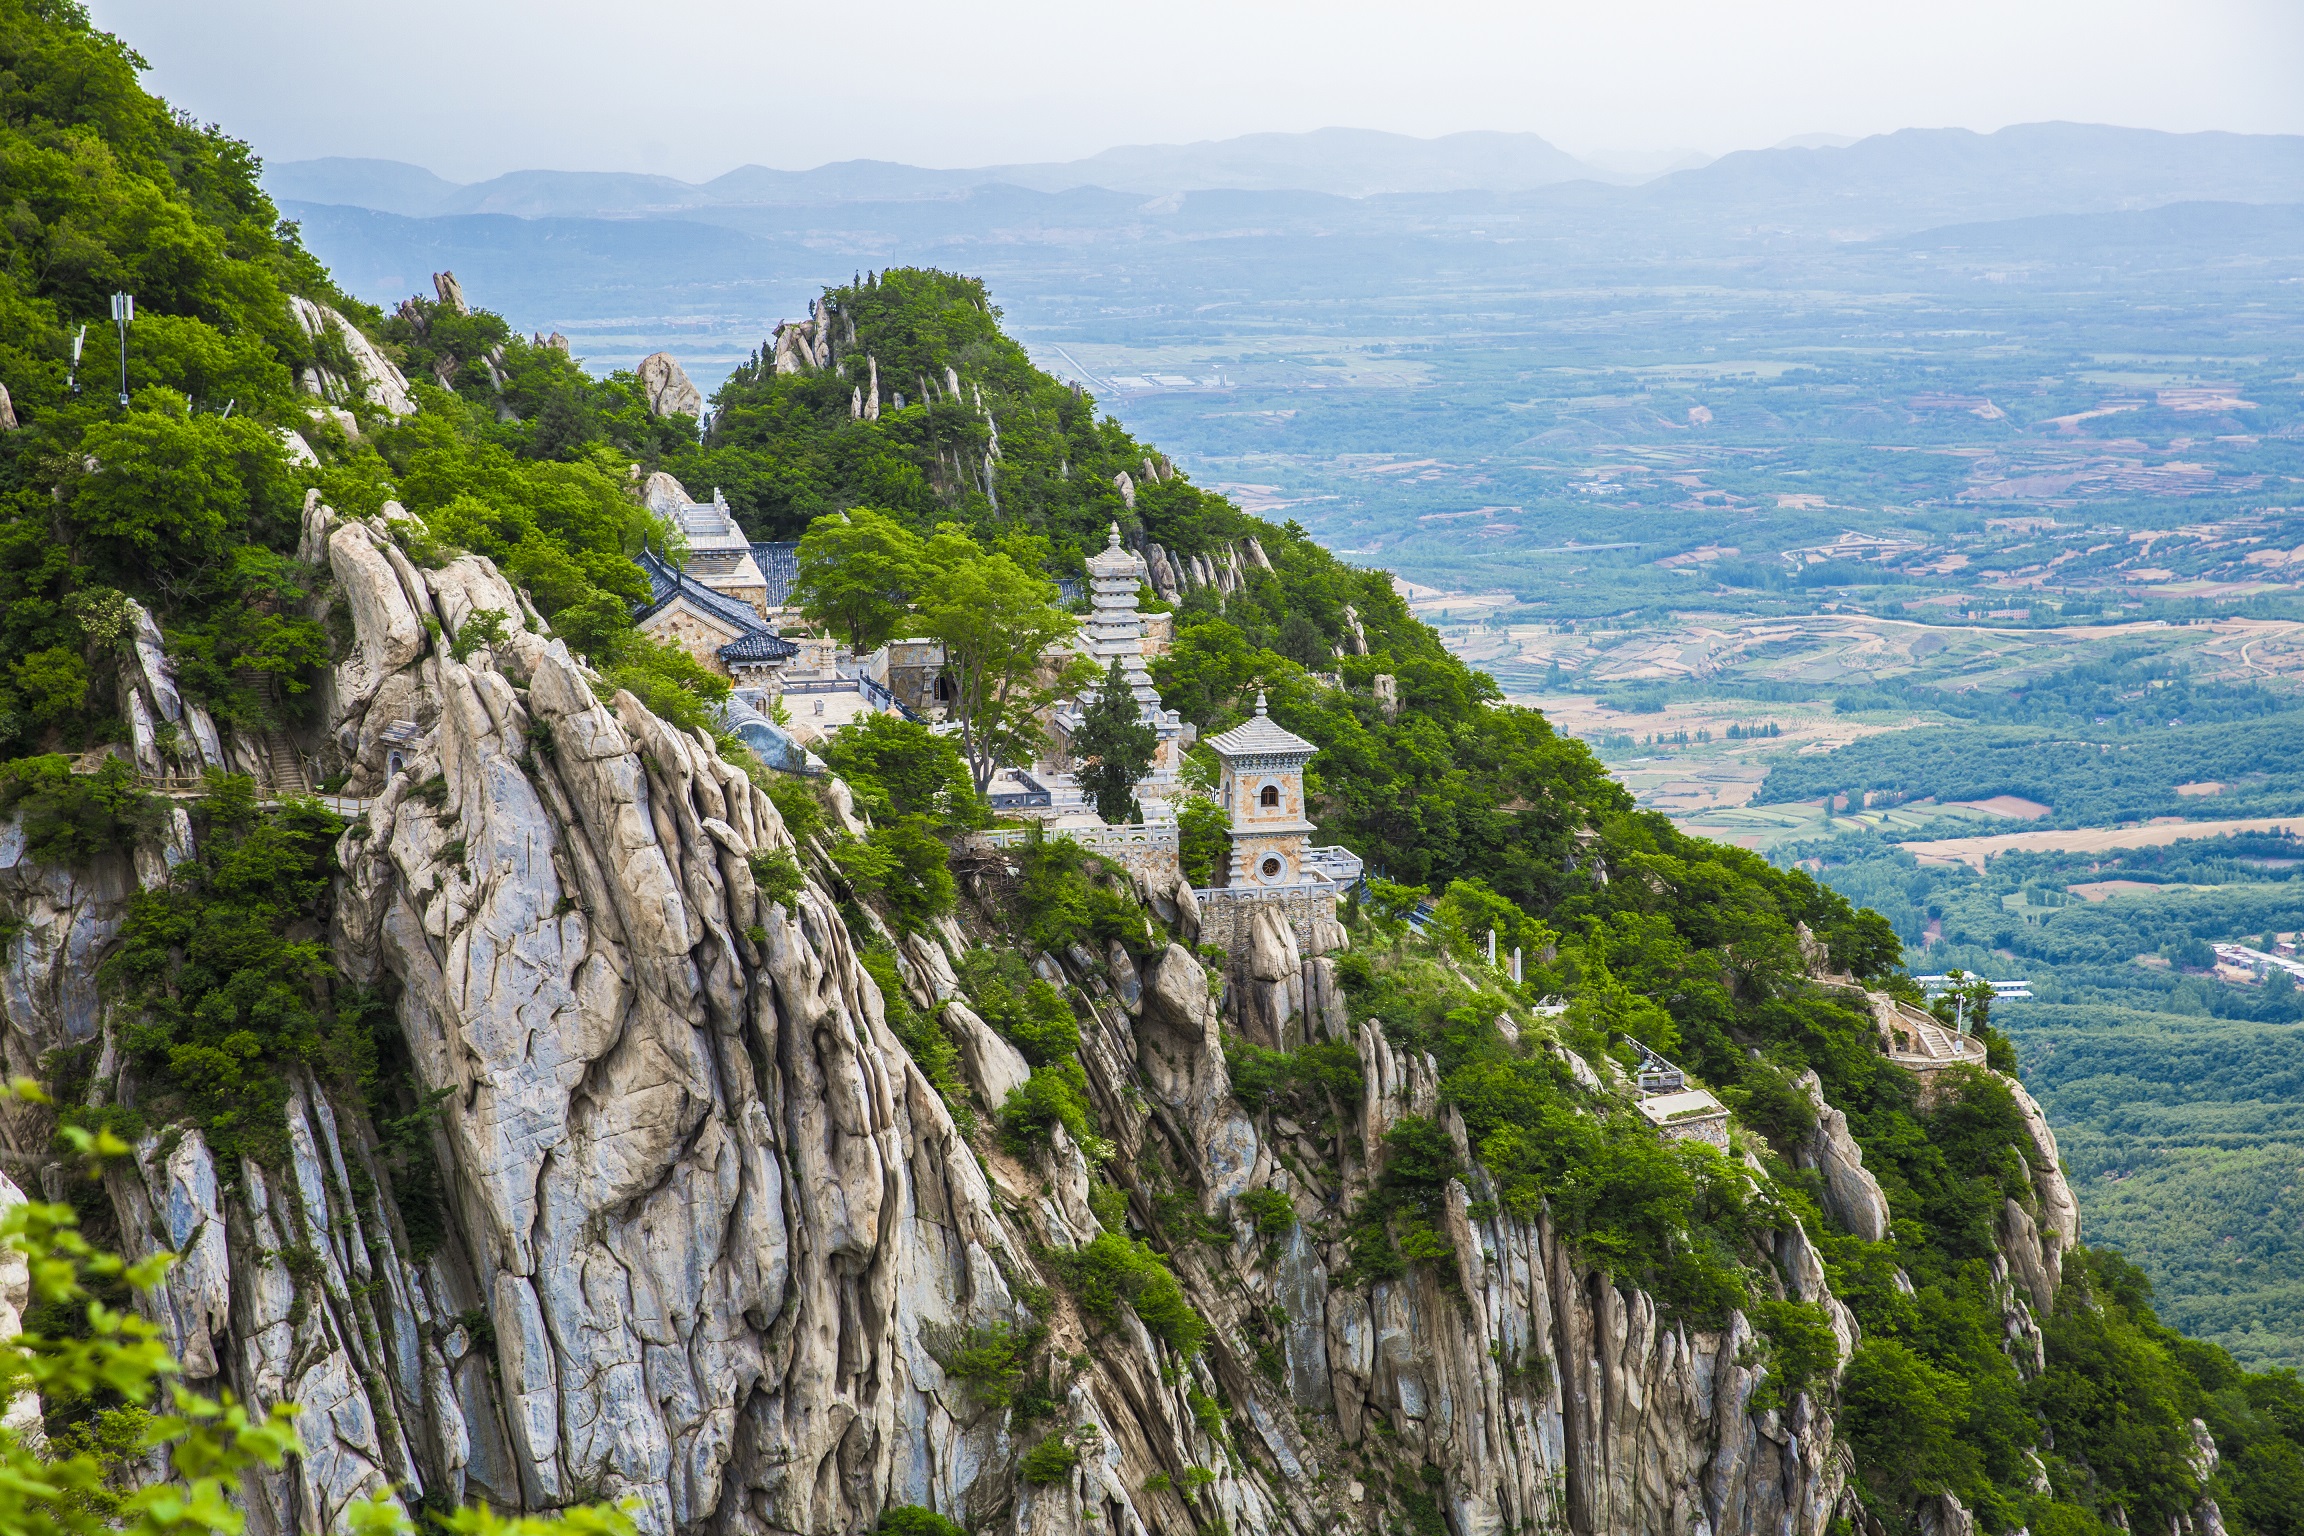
column 2077, row 167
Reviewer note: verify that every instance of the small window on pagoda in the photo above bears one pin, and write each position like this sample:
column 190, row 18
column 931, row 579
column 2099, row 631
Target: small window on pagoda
column 1271, row 869
column 1270, row 799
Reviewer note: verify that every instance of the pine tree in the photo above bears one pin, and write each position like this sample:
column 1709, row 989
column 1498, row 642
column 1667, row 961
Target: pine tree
column 1115, row 748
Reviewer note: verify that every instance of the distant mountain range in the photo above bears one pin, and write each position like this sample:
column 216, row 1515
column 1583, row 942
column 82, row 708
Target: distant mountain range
column 1345, row 162
column 1910, row 178
column 2030, row 169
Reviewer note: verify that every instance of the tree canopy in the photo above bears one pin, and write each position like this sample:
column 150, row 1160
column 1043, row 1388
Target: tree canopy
column 1115, row 748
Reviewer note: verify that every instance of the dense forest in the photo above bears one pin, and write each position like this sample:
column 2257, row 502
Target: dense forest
column 188, row 499
column 2134, row 689
column 2180, row 1132
column 2087, row 778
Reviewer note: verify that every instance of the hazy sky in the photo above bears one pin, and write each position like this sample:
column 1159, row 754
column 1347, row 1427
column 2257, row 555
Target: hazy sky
column 472, row 88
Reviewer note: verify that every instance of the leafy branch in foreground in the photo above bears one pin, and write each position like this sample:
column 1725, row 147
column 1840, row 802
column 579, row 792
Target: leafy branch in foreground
column 77, row 1484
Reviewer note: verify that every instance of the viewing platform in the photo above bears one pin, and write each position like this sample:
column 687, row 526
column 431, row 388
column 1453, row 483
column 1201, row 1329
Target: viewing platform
column 1918, row 1042
column 1679, row 1112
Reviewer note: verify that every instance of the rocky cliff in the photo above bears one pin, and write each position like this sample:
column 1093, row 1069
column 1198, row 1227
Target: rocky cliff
column 715, row 1244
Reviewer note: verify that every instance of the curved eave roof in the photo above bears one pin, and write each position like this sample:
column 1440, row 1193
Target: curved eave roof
column 762, row 646
column 667, row 581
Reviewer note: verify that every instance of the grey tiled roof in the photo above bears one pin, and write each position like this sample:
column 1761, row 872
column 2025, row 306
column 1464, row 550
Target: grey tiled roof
column 763, row 645
column 756, row 640
column 666, row 580
column 780, row 565
column 1261, row 736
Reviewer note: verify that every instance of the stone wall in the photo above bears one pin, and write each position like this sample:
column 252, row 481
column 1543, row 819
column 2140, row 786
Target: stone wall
column 1227, row 911
column 1710, row 1128
column 1150, row 851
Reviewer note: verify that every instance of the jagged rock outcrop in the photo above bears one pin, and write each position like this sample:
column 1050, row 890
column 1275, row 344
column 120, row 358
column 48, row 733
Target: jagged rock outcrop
column 2059, row 1213
column 1851, row 1195
column 800, row 345
column 992, row 1064
column 65, row 916
column 169, row 735
column 667, row 386
column 1180, row 1057
column 381, row 383
column 1161, row 572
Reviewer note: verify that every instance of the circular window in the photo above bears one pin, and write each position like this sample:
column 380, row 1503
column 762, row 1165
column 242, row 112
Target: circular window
column 1271, row 869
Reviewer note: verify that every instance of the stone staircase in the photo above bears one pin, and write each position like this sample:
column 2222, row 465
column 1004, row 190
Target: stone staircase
column 284, row 763
column 1936, row 1040
column 1931, row 1041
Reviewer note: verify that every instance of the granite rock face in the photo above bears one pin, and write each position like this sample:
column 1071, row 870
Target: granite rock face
column 708, row 1235
column 380, row 383
column 1852, row 1195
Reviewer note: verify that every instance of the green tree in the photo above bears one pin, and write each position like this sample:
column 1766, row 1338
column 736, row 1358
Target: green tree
column 997, row 621
column 170, row 491
column 1390, row 903
column 858, row 572
column 1967, row 1003
column 1301, row 641
column 1115, row 748
column 912, row 1520
column 1904, row 1417
column 1205, row 835
column 1468, row 911
column 902, row 767
column 69, row 817
column 53, row 682
column 903, row 865
column 222, row 985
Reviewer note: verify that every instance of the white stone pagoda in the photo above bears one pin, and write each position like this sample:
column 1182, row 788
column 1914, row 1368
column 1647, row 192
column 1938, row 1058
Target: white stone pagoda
column 1115, row 632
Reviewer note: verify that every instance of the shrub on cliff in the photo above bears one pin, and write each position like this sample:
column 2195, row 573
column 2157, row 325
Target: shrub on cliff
column 223, row 981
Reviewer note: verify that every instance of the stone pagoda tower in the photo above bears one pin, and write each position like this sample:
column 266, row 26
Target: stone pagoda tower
column 1262, row 790
column 1115, row 632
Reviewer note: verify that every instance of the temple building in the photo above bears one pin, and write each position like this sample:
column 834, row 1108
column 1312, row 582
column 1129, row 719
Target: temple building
column 723, row 632
column 713, row 604
column 1261, row 789
column 719, row 556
